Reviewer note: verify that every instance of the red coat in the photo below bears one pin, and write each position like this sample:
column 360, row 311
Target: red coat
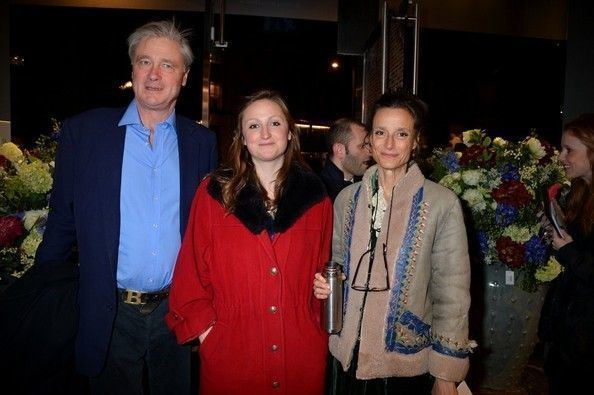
column 267, row 337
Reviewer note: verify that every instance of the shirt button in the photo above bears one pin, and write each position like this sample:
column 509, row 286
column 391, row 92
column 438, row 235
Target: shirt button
column 273, row 271
column 155, row 197
column 274, row 347
column 275, row 384
column 155, row 226
column 272, row 309
column 154, row 252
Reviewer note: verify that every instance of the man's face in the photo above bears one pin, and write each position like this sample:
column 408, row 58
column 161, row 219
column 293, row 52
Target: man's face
column 357, row 152
column 158, row 73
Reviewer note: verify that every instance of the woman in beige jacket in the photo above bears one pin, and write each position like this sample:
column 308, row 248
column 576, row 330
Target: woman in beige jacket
column 402, row 245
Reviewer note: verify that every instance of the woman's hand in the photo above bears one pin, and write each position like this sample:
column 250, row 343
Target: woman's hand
column 559, row 241
column 204, row 334
column 321, row 289
column 443, row 387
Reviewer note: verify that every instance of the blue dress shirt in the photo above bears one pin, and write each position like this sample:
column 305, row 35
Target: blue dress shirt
column 149, row 205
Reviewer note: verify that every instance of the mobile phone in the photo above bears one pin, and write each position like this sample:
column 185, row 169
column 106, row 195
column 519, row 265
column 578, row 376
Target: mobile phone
column 555, row 214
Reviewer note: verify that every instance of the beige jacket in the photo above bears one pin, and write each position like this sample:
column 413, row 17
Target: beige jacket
column 421, row 324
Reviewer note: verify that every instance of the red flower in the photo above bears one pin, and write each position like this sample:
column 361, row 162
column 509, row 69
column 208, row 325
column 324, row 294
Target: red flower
column 512, row 192
column 510, row 252
column 473, row 154
column 11, row 229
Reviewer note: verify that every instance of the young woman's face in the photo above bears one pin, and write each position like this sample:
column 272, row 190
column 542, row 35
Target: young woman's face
column 574, row 156
column 265, row 131
column 393, row 138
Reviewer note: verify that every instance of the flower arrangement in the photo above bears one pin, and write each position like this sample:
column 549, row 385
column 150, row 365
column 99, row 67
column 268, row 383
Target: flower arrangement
column 25, row 185
column 503, row 185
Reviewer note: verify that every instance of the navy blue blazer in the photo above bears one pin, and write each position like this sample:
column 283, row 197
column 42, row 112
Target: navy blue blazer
column 85, row 210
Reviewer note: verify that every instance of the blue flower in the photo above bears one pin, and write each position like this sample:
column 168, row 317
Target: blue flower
column 450, row 161
column 483, row 241
column 535, row 251
column 505, row 214
column 509, row 172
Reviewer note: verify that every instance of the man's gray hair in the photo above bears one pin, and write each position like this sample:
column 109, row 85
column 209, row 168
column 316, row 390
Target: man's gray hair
column 165, row 29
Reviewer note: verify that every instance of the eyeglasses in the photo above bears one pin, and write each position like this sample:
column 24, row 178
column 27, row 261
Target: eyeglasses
column 365, row 287
column 371, row 251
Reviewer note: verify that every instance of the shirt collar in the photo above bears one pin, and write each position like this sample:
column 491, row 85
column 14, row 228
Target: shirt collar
column 131, row 117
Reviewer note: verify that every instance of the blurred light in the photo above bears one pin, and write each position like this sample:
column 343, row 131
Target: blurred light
column 335, row 65
column 126, row 85
column 313, row 127
column 17, row 60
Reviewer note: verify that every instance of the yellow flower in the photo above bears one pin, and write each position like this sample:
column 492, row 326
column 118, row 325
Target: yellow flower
column 499, row 142
column 11, row 152
column 31, row 242
column 35, row 176
column 549, row 272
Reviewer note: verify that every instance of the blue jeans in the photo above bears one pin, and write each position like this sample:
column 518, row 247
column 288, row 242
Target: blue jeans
column 143, row 353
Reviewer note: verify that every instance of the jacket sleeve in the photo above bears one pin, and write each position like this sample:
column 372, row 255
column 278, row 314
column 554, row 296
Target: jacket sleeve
column 338, row 247
column 579, row 262
column 450, row 291
column 191, row 309
column 324, row 252
column 60, row 235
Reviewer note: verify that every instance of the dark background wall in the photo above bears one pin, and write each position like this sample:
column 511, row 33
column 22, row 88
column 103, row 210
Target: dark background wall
column 579, row 80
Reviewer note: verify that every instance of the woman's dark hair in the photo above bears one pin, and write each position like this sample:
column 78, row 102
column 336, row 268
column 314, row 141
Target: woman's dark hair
column 405, row 100
column 580, row 204
column 240, row 167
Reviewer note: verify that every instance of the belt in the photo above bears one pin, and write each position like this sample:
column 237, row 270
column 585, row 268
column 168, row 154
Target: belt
column 130, row 296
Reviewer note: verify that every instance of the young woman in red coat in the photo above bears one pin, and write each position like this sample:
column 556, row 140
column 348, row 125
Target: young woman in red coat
column 259, row 230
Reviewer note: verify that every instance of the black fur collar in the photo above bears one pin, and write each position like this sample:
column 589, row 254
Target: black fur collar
column 303, row 190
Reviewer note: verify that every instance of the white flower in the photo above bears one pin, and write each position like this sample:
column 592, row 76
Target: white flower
column 471, row 137
column 475, row 199
column 449, row 181
column 536, row 149
column 472, row 177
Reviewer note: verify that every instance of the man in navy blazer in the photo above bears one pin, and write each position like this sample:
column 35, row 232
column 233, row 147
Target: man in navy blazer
column 123, row 185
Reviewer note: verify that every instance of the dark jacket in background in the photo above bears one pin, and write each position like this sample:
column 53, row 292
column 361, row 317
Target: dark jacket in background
column 567, row 319
column 38, row 324
column 333, row 179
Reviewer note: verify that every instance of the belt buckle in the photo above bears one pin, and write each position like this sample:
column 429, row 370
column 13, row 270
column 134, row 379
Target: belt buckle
column 133, row 297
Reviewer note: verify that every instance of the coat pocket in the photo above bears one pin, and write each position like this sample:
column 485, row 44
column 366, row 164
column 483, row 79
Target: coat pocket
column 411, row 334
column 212, row 339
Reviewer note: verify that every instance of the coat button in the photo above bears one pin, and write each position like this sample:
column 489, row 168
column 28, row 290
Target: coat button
column 274, row 271
column 274, row 347
column 273, row 309
column 275, row 384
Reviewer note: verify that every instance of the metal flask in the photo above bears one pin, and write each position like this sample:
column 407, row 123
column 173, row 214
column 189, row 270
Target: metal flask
column 333, row 305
